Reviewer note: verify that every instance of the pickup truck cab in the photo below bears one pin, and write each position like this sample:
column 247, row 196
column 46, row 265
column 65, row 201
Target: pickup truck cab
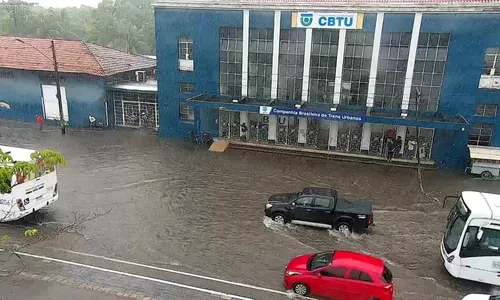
column 320, row 207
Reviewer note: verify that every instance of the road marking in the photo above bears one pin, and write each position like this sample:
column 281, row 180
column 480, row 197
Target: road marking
column 185, row 286
column 176, row 272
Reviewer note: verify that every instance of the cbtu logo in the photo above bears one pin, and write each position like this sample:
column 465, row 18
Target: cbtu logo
column 306, row 19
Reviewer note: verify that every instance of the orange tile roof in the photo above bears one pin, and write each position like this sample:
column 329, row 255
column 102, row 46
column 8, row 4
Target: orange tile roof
column 35, row 54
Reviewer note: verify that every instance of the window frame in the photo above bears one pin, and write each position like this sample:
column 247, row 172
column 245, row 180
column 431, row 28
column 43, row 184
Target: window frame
column 329, row 268
column 322, row 207
column 183, row 89
column 361, row 273
column 478, row 139
column 303, row 197
column 495, row 52
column 484, row 107
column 183, row 44
column 186, row 113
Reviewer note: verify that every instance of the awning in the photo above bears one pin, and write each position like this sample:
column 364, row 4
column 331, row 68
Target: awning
column 481, row 152
column 149, row 86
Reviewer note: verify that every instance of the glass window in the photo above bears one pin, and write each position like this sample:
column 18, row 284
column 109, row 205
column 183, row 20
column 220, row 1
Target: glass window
column 186, row 113
column 488, row 245
column 334, row 272
column 491, row 65
column 387, row 275
column 432, row 53
column 322, row 202
column 480, row 134
column 185, row 48
column 323, row 65
column 231, row 60
column 456, row 224
column 304, row 201
column 319, row 260
column 186, row 87
column 361, row 276
column 485, row 110
column 356, row 67
column 291, row 64
column 260, row 59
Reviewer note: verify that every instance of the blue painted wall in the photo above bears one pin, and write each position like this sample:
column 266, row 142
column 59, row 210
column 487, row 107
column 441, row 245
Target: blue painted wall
column 85, row 94
column 470, row 35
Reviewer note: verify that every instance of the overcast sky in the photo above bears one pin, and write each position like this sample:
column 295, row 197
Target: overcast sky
column 66, row 3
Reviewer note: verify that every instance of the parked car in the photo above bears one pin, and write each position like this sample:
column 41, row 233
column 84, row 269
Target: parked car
column 481, row 297
column 340, row 275
column 320, row 207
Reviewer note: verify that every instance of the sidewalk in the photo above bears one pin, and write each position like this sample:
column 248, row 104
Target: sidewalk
column 20, row 288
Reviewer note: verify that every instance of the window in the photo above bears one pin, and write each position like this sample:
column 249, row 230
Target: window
column 322, row 203
column 455, row 225
column 186, row 87
column 323, row 65
column 391, row 72
column 185, row 48
column 491, row 64
column 488, row 245
column 319, row 260
column 480, row 134
column 186, row 113
column 485, row 110
column 304, row 201
column 387, row 275
column 358, row 275
column 260, row 61
column 428, row 74
column 231, row 57
column 291, row 64
column 334, row 272
column 356, row 68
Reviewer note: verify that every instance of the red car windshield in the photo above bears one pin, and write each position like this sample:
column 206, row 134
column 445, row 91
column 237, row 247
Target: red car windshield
column 319, row 260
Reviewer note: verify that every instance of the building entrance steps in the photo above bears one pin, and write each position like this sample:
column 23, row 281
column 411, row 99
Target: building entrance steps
column 219, row 145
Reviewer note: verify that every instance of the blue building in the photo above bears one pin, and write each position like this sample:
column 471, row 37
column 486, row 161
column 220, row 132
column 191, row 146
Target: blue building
column 92, row 80
column 333, row 76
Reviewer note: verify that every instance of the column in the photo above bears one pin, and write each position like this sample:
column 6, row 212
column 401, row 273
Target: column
column 401, row 131
column 334, row 130
column 340, row 64
column 271, row 134
column 411, row 64
column 244, row 63
column 374, row 64
column 276, row 53
column 302, row 131
column 307, row 64
column 244, row 119
column 365, row 138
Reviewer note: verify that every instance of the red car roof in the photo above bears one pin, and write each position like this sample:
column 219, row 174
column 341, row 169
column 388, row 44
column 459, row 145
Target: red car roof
column 361, row 261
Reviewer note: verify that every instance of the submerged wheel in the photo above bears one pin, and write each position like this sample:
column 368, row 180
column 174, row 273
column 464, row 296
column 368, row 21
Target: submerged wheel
column 486, row 175
column 344, row 228
column 279, row 218
column 301, row 289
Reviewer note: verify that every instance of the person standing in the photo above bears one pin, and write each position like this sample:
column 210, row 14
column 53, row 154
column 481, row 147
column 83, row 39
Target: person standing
column 39, row 120
column 398, row 146
column 390, row 149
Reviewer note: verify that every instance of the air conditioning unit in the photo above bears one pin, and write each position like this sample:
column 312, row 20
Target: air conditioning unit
column 140, row 76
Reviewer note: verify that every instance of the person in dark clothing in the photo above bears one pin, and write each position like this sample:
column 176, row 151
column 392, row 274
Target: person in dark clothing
column 398, row 146
column 244, row 130
column 390, row 149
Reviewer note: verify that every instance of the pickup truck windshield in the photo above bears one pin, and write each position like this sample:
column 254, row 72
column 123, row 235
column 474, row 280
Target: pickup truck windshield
column 319, row 260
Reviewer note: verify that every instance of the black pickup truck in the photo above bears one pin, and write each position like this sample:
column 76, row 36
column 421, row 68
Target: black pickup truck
column 320, row 207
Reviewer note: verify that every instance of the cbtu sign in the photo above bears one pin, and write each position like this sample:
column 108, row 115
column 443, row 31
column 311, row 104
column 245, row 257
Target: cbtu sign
column 327, row 20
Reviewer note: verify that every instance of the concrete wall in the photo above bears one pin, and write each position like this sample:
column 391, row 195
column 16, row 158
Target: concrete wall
column 85, row 95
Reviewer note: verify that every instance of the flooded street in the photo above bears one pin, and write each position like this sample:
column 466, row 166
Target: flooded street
column 176, row 205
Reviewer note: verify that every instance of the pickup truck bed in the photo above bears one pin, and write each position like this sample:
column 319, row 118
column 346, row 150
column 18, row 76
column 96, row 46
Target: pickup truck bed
column 362, row 207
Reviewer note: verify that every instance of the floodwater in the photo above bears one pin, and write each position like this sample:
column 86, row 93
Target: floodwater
column 174, row 203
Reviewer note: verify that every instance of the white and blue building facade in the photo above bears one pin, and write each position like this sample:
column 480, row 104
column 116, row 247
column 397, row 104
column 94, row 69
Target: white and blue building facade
column 333, row 76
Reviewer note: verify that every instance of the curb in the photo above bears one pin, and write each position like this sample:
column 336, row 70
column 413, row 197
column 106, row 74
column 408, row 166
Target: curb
column 123, row 293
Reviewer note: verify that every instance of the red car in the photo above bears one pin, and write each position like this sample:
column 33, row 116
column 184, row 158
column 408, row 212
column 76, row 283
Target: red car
column 340, row 275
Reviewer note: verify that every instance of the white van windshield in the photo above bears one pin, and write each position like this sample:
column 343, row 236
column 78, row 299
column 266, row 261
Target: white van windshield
column 456, row 223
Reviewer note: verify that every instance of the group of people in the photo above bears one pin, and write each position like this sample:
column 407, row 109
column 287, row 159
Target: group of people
column 393, row 147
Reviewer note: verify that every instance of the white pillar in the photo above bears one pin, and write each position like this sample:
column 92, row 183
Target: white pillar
column 401, row 131
column 276, row 53
column 271, row 134
column 340, row 64
column 302, row 131
column 243, row 119
column 244, row 63
column 365, row 137
column 307, row 64
column 334, row 130
column 374, row 64
column 411, row 62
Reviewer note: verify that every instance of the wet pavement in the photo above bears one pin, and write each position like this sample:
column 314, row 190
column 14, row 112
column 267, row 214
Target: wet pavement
column 177, row 206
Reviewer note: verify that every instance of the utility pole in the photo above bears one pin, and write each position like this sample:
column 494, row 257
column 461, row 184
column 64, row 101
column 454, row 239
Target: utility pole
column 58, row 86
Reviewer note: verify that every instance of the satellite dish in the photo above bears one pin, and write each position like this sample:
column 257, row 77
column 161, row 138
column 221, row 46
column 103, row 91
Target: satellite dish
column 4, row 105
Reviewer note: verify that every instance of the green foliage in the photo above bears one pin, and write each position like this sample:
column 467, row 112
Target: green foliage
column 127, row 25
column 5, row 158
column 5, row 240
column 48, row 158
column 6, row 179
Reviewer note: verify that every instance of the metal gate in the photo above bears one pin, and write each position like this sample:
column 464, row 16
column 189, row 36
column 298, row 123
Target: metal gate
column 133, row 109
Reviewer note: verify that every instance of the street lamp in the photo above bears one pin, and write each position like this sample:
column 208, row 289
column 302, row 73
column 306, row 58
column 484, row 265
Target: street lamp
column 58, row 85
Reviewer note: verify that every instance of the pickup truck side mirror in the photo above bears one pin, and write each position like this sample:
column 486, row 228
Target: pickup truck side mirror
column 446, row 199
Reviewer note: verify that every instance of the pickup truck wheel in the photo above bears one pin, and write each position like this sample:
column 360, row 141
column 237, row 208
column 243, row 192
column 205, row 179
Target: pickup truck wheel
column 486, row 175
column 279, row 218
column 301, row 289
column 344, row 228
